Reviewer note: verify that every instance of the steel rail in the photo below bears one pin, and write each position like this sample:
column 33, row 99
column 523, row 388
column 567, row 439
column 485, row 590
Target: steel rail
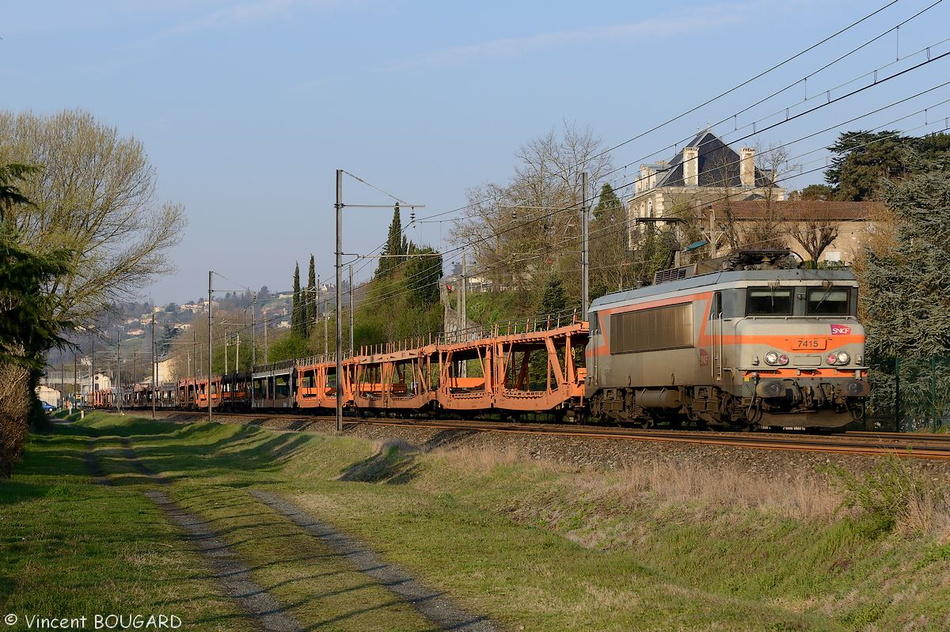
column 902, row 445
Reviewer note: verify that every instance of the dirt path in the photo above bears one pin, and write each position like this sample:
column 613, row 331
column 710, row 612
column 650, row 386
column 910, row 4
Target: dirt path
column 432, row 605
column 264, row 611
column 234, row 576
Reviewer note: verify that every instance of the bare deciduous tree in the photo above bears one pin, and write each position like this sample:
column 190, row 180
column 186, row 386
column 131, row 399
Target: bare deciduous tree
column 767, row 231
column 94, row 196
column 530, row 227
column 813, row 234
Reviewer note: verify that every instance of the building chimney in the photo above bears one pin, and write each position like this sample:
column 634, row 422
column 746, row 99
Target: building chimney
column 747, row 167
column 647, row 178
column 691, row 166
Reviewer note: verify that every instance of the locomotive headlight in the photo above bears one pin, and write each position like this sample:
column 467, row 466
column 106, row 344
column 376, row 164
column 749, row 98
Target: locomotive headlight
column 773, row 358
column 838, row 359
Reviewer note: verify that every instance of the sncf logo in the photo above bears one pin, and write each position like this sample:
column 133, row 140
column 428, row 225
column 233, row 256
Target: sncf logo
column 840, row 330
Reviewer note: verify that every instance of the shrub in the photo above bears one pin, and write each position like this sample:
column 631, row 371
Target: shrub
column 892, row 496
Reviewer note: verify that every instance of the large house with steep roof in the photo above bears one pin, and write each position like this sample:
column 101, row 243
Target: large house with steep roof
column 711, row 183
column 704, row 172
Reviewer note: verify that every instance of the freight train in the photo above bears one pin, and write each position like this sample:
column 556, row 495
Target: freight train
column 745, row 341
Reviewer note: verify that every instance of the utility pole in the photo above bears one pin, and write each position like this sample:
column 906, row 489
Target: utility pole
column 338, row 206
column 351, row 310
column 118, row 372
column 326, row 330
column 463, row 314
column 154, row 366
column 339, row 300
column 210, row 342
column 463, row 299
column 237, row 353
column 92, row 367
column 75, row 378
column 254, row 331
column 585, row 250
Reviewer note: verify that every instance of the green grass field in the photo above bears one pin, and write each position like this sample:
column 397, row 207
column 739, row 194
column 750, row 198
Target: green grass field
column 533, row 546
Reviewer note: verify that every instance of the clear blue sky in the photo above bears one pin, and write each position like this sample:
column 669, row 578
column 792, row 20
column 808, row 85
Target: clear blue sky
column 246, row 108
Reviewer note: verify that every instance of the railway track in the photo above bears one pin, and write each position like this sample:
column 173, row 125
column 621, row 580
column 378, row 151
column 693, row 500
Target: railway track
column 904, row 445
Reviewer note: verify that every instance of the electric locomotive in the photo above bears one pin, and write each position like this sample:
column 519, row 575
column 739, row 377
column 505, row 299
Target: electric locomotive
column 748, row 340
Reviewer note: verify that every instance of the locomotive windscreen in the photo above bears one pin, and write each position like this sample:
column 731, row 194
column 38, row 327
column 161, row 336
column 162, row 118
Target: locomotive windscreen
column 766, row 301
column 833, row 301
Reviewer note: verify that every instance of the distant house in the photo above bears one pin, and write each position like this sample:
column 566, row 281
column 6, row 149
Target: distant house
column 166, row 370
column 102, row 382
column 706, row 171
column 49, row 395
column 843, row 225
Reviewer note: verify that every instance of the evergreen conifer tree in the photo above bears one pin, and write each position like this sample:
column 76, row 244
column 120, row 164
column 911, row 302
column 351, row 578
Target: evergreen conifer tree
column 311, row 302
column 608, row 202
column 298, row 309
column 554, row 300
column 396, row 248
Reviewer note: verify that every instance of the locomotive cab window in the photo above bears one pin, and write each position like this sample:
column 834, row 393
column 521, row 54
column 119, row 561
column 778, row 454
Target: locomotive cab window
column 767, row 301
column 831, row 301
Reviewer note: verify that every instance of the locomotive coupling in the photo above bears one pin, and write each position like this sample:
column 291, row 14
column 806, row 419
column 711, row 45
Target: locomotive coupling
column 771, row 388
column 857, row 388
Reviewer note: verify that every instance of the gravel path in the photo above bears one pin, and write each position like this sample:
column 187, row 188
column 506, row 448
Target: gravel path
column 231, row 571
column 432, row 605
column 266, row 613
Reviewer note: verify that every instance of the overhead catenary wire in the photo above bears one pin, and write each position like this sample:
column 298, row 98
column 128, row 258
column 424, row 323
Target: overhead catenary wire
column 456, row 250
column 734, row 88
column 574, row 240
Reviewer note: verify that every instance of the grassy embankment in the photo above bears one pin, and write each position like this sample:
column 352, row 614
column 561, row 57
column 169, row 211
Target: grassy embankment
column 528, row 544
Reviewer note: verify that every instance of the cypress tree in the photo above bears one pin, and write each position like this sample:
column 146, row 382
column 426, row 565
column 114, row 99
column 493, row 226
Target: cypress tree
column 298, row 309
column 311, row 300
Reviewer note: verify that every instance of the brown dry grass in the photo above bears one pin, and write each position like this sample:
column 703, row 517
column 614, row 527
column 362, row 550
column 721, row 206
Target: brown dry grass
column 797, row 495
column 927, row 512
column 784, row 492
